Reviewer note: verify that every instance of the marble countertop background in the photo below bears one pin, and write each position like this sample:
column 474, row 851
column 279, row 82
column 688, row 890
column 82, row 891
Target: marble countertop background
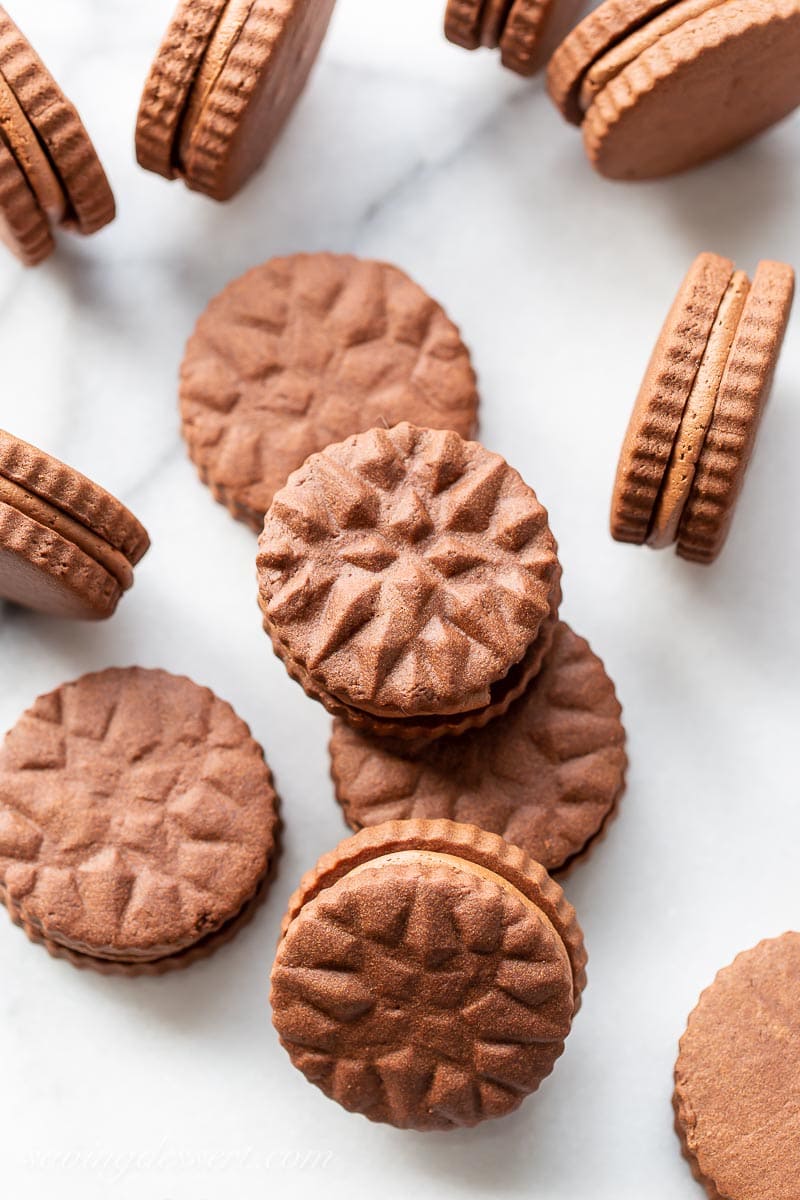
column 407, row 149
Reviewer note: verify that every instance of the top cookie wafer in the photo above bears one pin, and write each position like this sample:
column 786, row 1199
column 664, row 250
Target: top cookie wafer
column 90, row 202
column 223, row 83
column 737, row 1077
column 668, row 104
column 137, row 817
column 303, row 351
column 406, row 571
column 427, row 975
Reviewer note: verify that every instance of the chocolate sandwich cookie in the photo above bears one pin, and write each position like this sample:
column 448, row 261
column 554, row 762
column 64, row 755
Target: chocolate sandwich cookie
column 694, row 425
column 651, row 83
column 224, row 81
column 67, row 547
column 406, row 575
column 737, row 1097
column 427, row 975
column 547, row 777
column 138, row 822
column 301, row 352
column 516, row 27
column 50, row 175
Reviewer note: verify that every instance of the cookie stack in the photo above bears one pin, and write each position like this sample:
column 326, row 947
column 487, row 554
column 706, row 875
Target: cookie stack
column 50, row 175
column 409, row 580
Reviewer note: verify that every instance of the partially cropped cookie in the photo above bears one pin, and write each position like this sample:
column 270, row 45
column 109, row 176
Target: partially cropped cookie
column 658, row 88
column 427, row 975
column 137, row 822
column 737, row 1096
column 515, row 27
column 408, row 578
column 694, row 425
column 223, row 84
column 303, row 351
column 547, row 777
column 50, row 174
column 67, row 546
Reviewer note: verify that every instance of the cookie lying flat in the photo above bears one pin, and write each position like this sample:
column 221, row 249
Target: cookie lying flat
column 737, row 1097
column 547, row 777
column 404, row 572
column 41, row 131
column 137, row 822
column 67, row 547
column 694, row 425
column 515, row 27
column 224, row 81
column 427, row 975
column 304, row 351
column 650, row 83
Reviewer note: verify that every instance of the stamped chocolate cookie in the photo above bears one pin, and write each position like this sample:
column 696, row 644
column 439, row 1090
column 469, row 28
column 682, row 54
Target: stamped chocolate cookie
column 406, row 571
column 516, row 26
column 44, row 134
column 737, row 1089
column 650, row 82
column 67, row 547
column 137, row 821
column 224, row 81
column 694, row 425
column 546, row 778
column 304, row 351
column 427, row 975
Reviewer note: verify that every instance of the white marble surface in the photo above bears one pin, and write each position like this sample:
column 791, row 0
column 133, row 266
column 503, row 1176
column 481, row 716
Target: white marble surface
column 407, row 149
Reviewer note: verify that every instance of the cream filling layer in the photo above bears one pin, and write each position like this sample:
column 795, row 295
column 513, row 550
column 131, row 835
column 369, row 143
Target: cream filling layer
column 697, row 417
column 51, row 517
column 24, row 144
column 615, row 60
column 223, row 40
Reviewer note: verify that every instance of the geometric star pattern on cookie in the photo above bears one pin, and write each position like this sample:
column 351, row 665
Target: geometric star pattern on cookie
column 406, row 570
column 136, row 814
column 304, row 351
column 546, row 777
column 424, row 1003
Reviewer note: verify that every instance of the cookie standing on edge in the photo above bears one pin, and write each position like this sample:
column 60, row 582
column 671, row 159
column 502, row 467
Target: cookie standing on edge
column 224, row 81
column 737, row 1078
column 67, row 547
column 405, row 577
column 651, row 83
column 696, row 418
column 427, row 975
column 138, row 822
column 50, row 174
column 547, row 777
column 302, row 352
column 516, row 27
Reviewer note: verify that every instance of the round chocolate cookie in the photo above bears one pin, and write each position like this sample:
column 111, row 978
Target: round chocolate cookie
column 694, row 425
column 406, row 571
column 88, row 202
column 650, row 82
column 427, row 975
column 547, row 777
column 67, row 546
column 138, row 821
column 737, row 1079
column 223, row 84
column 302, row 352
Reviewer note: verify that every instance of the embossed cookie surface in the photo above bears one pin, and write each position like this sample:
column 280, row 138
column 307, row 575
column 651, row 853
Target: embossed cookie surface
column 427, row 976
column 737, row 1097
column 304, row 351
column 137, row 816
column 406, row 570
column 546, row 777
